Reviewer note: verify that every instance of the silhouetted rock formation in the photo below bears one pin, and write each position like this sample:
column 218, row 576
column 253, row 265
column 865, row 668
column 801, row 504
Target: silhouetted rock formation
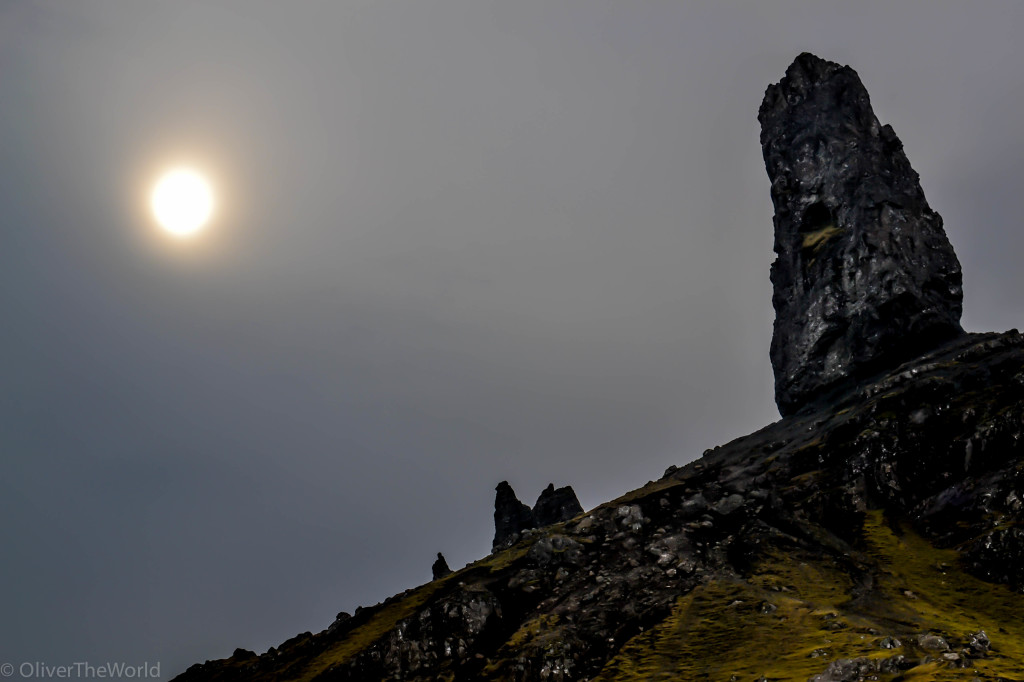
column 879, row 535
column 440, row 568
column 556, row 505
column 339, row 621
column 511, row 517
column 865, row 277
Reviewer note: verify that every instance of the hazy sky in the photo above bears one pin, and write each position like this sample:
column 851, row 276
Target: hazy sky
column 457, row 242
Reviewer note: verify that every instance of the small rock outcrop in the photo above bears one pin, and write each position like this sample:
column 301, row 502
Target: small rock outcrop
column 864, row 277
column 556, row 505
column 440, row 567
column 512, row 517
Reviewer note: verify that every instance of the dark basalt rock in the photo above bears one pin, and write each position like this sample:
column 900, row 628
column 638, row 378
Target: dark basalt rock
column 440, row 567
column 860, row 669
column 511, row 517
column 865, row 277
column 556, row 505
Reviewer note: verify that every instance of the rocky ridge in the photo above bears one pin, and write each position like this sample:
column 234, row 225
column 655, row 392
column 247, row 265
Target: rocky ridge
column 882, row 535
column 876, row 532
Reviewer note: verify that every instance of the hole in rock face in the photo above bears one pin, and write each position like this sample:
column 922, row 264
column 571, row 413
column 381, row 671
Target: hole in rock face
column 817, row 217
column 817, row 228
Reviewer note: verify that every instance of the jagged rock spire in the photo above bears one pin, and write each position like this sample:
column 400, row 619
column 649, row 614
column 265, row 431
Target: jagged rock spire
column 556, row 505
column 864, row 276
column 511, row 516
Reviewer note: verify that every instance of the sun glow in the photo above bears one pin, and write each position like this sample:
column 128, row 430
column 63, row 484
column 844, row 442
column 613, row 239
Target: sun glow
column 182, row 201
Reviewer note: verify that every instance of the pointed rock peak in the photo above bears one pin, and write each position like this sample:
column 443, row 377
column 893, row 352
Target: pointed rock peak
column 511, row 516
column 864, row 277
column 811, row 67
column 556, row 505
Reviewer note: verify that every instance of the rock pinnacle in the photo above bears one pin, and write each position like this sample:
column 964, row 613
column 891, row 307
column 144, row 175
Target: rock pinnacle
column 864, row 277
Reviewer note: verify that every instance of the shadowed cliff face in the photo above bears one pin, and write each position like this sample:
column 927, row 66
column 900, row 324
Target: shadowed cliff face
column 865, row 277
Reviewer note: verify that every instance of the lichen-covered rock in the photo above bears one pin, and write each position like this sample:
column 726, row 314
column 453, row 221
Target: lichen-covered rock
column 862, row 669
column 864, row 276
column 556, row 505
column 557, row 549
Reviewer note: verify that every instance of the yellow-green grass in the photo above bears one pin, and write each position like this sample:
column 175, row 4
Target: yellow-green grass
column 362, row 637
column 388, row 617
column 385, row 619
column 815, row 240
column 536, row 632
column 723, row 628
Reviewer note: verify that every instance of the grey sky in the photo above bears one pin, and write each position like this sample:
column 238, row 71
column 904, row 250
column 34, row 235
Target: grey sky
column 459, row 242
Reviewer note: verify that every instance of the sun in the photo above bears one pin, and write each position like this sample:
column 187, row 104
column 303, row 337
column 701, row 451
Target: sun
column 182, row 201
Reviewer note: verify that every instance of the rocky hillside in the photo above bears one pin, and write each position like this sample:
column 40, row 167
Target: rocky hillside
column 876, row 532
column 880, row 536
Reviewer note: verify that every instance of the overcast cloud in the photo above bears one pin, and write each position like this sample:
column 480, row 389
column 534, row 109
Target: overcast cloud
column 458, row 242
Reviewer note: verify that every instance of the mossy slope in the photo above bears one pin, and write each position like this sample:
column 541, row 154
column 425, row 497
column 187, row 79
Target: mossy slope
column 796, row 613
column 894, row 513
